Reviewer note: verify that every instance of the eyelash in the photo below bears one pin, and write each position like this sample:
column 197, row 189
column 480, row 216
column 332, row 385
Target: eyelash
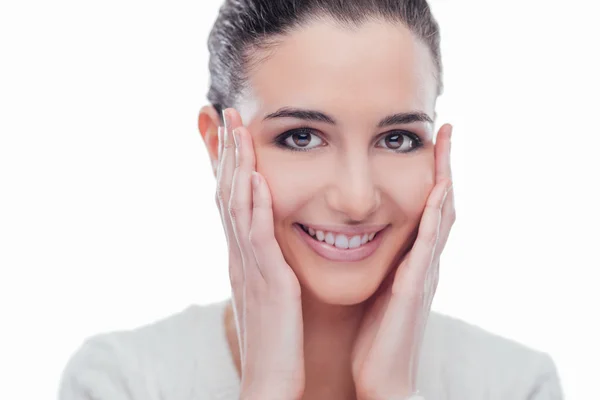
column 280, row 140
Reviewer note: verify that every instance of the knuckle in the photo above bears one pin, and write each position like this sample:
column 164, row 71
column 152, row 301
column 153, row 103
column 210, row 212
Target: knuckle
column 233, row 213
column 222, row 194
column 236, row 206
column 235, row 278
column 256, row 237
column 436, row 281
column 453, row 216
column 431, row 237
column 252, row 238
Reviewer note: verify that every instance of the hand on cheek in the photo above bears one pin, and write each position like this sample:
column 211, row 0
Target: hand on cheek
column 265, row 292
column 387, row 349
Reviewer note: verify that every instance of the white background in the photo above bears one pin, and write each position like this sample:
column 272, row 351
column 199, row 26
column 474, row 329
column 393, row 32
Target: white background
column 107, row 219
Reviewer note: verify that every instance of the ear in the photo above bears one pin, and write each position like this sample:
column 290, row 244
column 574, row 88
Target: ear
column 209, row 122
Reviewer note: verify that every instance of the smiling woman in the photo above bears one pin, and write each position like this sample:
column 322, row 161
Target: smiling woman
column 336, row 204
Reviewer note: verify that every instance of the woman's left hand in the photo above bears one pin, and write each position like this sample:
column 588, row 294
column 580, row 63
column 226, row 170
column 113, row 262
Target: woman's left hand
column 386, row 352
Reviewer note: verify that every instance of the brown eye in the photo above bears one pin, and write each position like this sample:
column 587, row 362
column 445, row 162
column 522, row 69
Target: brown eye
column 300, row 140
column 394, row 141
column 400, row 142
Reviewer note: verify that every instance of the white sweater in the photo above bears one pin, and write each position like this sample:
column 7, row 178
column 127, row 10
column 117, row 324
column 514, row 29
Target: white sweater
column 186, row 357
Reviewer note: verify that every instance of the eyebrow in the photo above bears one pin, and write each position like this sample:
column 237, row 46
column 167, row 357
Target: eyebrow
column 318, row 116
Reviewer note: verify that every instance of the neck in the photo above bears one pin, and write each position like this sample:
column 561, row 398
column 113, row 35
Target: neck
column 329, row 333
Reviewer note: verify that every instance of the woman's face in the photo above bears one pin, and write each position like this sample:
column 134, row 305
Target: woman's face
column 352, row 166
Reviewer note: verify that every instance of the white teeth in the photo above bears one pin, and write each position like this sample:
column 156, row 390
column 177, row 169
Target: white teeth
column 364, row 239
column 329, row 238
column 341, row 241
column 354, row 242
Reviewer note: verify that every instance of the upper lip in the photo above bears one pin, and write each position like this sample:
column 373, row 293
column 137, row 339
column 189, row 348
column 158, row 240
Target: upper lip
column 347, row 230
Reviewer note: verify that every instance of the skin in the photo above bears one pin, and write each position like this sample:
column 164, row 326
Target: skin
column 363, row 317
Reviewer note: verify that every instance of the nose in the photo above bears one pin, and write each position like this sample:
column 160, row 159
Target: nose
column 354, row 192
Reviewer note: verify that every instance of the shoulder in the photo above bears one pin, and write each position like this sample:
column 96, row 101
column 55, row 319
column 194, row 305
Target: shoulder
column 461, row 352
column 142, row 363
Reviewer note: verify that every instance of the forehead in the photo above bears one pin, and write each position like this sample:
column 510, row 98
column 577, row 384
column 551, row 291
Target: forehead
column 377, row 67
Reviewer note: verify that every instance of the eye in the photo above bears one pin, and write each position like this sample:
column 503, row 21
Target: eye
column 302, row 139
column 400, row 142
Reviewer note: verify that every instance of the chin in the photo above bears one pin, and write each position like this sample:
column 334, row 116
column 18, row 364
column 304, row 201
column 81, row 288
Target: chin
column 340, row 284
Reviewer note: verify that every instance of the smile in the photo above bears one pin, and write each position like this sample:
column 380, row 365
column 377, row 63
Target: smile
column 350, row 245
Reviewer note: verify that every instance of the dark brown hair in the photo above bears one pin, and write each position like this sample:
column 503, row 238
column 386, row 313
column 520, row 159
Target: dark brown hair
column 244, row 27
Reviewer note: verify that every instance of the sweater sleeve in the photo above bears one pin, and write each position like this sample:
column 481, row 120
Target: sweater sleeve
column 97, row 372
column 547, row 385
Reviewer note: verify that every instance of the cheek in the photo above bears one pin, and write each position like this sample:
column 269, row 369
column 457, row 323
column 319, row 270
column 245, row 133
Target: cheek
column 409, row 189
column 291, row 183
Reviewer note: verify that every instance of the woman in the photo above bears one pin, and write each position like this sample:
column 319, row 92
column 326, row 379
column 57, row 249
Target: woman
column 336, row 205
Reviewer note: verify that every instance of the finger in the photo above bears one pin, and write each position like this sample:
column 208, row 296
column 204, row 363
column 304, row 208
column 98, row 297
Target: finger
column 240, row 204
column 448, row 218
column 227, row 163
column 224, row 178
column 218, row 162
column 444, row 172
column 442, row 154
column 225, row 170
column 402, row 322
column 396, row 339
column 220, row 135
column 414, row 270
column 239, row 200
column 266, row 250
column 221, row 190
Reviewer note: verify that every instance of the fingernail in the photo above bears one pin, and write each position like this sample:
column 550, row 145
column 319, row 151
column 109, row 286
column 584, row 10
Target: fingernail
column 450, row 133
column 226, row 133
column 225, row 119
column 236, row 138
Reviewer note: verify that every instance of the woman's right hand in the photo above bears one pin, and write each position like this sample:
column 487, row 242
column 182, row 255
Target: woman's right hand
column 265, row 291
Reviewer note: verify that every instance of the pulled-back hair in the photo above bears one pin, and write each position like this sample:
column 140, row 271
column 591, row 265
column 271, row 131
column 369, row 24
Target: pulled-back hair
column 243, row 27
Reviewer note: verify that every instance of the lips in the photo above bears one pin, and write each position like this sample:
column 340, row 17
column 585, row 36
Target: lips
column 333, row 253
